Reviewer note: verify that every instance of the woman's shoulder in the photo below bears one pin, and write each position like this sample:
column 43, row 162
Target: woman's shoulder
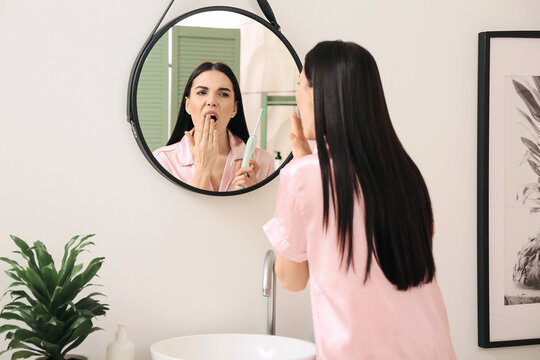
column 303, row 166
column 166, row 149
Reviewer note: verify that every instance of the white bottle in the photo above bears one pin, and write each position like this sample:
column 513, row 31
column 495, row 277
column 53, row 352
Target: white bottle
column 121, row 348
column 277, row 160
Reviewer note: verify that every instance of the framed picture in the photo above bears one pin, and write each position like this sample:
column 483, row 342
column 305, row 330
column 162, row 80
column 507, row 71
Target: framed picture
column 509, row 188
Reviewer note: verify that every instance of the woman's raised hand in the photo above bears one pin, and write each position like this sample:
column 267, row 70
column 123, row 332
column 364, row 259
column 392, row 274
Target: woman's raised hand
column 246, row 176
column 299, row 143
column 204, row 145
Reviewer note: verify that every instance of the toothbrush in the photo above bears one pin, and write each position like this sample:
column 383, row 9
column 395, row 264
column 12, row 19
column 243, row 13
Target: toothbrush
column 250, row 146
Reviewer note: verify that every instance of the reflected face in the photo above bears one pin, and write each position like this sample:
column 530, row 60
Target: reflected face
column 304, row 100
column 211, row 94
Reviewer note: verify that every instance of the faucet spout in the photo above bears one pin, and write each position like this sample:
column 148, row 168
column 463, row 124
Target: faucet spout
column 269, row 291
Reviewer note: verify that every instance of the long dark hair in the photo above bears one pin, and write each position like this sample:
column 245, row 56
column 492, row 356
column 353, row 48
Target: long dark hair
column 361, row 157
column 237, row 125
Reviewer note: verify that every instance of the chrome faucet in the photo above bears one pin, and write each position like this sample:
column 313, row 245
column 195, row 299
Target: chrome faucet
column 269, row 291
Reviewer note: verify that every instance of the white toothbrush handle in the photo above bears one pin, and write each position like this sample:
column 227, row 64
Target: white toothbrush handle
column 248, row 154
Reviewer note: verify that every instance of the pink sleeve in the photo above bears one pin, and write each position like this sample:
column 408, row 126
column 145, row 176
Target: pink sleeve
column 286, row 230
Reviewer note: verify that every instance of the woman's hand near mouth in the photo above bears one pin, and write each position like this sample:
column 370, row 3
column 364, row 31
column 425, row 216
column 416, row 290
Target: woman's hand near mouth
column 205, row 150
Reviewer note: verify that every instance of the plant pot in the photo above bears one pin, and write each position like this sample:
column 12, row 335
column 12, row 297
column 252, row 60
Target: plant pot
column 68, row 357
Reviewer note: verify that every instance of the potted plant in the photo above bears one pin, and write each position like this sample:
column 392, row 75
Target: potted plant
column 43, row 301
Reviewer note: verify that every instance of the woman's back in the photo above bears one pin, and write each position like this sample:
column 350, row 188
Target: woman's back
column 353, row 319
column 356, row 218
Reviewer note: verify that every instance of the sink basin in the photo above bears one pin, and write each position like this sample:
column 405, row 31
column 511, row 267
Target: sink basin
column 232, row 346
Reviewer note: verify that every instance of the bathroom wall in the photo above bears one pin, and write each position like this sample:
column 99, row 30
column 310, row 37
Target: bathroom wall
column 181, row 263
column 266, row 66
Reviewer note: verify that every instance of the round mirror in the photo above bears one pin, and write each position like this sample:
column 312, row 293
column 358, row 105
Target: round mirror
column 210, row 100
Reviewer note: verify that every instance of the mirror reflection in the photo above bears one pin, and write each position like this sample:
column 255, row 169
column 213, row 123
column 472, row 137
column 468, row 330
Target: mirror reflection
column 203, row 88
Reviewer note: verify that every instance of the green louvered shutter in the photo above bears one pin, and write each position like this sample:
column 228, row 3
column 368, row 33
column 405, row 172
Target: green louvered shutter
column 153, row 95
column 192, row 46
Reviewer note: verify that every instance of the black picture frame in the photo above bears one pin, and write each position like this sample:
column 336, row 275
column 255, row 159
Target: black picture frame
column 132, row 115
column 484, row 243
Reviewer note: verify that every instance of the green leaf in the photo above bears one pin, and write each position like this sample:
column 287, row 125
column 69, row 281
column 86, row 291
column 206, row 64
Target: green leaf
column 50, row 277
column 71, row 289
column 35, row 281
column 87, row 243
column 13, row 276
column 10, row 262
column 76, row 270
column 54, row 329
column 81, row 329
column 28, row 337
column 80, row 340
column 43, row 256
column 67, row 246
column 86, row 313
column 70, row 256
column 72, row 305
column 87, row 303
column 100, row 310
column 87, row 237
column 89, row 285
column 92, row 269
column 16, row 284
column 49, row 347
column 67, row 267
column 27, row 316
column 11, row 316
column 25, row 335
column 23, row 294
column 8, row 327
column 4, row 351
column 53, row 321
column 40, row 312
column 16, row 344
column 56, row 299
column 21, row 244
column 78, row 321
column 15, row 305
column 24, row 354
column 26, row 251
column 17, row 274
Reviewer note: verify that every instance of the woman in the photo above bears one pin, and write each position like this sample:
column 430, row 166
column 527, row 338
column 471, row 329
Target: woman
column 207, row 145
column 355, row 218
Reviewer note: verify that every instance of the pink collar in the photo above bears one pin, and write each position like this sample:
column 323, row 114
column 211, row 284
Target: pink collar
column 185, row 157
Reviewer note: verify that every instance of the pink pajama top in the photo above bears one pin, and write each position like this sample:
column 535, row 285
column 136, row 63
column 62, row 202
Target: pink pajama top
column 352, row 319
column 178, row 160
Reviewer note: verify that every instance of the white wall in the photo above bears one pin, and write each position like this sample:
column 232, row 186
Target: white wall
column 181, row 263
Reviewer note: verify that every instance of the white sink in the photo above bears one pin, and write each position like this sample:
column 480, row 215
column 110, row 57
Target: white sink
column 233, row 347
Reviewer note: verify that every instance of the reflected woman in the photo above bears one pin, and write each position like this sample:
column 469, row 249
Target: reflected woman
column 207, row 145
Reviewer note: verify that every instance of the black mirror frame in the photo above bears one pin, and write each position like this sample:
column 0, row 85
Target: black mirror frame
column 132, row 115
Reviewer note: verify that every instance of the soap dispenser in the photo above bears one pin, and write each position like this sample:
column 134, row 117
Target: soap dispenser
column 121, row 348
column 277, row 160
